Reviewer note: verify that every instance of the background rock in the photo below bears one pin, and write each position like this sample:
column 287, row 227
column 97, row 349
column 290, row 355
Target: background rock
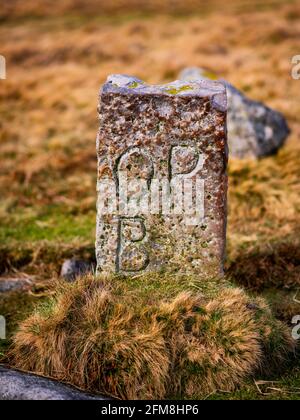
column 254, row 130
column 72, row 268
column 13, row 284
column 16, row 385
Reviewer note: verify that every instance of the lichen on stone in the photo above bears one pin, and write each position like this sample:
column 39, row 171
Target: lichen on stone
column 133, row 85
column 172, row 90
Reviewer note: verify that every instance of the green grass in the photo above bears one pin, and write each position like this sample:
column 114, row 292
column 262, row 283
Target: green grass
column 51, row 224
column 285, row 388
column 15, row 307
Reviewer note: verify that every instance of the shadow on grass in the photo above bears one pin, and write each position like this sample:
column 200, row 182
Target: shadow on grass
column 275, row 266
column 42, row 257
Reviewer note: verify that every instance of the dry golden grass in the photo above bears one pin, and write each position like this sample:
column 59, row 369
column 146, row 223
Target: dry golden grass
column 55, row 67
column 264, row 214
column 98, row 336
column 17, row 8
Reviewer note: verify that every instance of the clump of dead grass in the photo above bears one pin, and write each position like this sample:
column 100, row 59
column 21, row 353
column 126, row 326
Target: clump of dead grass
column 102, row 337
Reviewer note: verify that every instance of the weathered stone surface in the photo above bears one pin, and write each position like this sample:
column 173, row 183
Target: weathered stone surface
column 73, row 268
column 13, row 284
column 15, row 385
column 166, row 138
column 254, row 130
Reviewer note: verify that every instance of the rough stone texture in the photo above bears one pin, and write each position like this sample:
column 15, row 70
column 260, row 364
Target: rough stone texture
column 254, row 130
column 72, row 268
column 15, row 385
column 2, row 328
column 155, row 132
column 14, row 284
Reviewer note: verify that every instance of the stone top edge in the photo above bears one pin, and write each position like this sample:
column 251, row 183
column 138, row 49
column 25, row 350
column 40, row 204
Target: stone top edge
column 123, row 84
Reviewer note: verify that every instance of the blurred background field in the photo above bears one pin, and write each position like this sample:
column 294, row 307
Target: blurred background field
column 57, row 57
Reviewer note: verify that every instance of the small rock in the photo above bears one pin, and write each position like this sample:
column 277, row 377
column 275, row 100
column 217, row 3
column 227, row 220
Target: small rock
column 15, row 385
column 14, row 284
column 254, row 130
column 252, row 307
column 73, row 268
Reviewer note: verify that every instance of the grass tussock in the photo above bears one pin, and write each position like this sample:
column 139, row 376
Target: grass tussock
column 48, row 176
column 98, row 337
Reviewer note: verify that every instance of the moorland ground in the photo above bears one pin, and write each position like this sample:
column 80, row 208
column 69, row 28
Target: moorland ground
column 56, row 62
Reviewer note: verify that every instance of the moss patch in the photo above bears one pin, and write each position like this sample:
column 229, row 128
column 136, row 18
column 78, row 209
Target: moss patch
column 51, row 224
